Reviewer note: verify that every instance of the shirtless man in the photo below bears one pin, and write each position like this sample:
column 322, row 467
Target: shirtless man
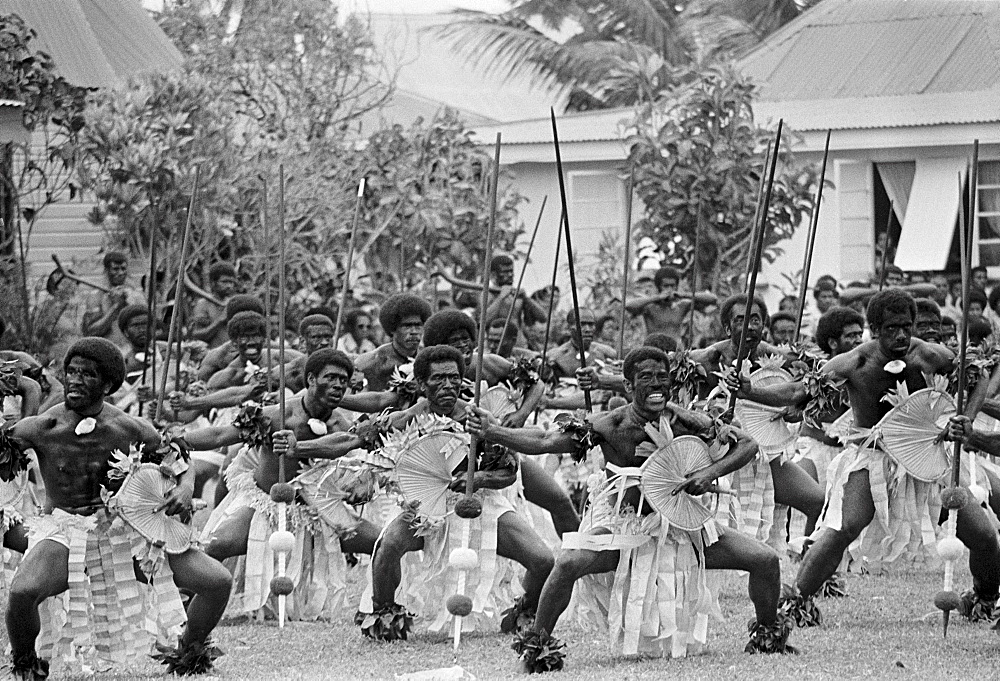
column 619, row 433
column 439, row 371
column 869, row 372
column 565, row 359
column 503, row 294
column 402, row 316
column 665, row 311
column 74, row 442
column 219, row 358
column 792, row 485
column 208, row 317
column 455, row 328
column 327, row 374
column 101, row 314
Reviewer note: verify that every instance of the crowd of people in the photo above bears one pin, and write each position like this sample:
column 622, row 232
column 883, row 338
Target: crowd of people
column 632, row 470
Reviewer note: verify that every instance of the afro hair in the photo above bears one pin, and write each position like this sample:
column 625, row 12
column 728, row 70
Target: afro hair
column 219, row 270
column 894, row 300
column 442, row 324
column 831, row 325
column 726, row 312
column 321, row 359
column 641, row 354
column 128, row 313
column 314, row 320
column 246, row 323
column 436, row 353
column 243, row 302
column 401, row 306
column 104, row 353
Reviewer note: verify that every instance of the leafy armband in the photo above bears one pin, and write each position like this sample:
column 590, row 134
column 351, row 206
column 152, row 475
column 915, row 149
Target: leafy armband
column 826, row 395
column 8, row 378
column 582, row 432
column 37, row 374
column 523, row 373
column 686, row 378
column 371, row 431
column 497, row 458
column 254, row 426
column 403, row 384
column 13, row 460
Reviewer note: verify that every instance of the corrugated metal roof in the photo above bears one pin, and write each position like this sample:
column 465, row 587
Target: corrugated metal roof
column 871, row 48
column 10, row 102
column 97, row 43
column 585, row 126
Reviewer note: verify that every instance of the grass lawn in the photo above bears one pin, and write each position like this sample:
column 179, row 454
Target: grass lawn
column 884, row 630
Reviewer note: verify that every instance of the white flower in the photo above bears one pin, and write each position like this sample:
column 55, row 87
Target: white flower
column 317, row 427
column 896, row 366
column 85, row 426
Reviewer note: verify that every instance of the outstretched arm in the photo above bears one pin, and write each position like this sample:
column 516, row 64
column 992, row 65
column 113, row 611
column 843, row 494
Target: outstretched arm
column 31, row 395
column 213, row 437
column 332, row 446
column 960, row 430
column 370, row 402
column 220, row 399
column 525, row 440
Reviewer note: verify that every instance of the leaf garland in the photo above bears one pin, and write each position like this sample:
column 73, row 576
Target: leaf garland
column 254, row 426
column 13, row 460
column 826, row 393
column 523, row 373
column 391, row 622
column 540, row 651
column 403, row 384
column 686, row 378
column 582, row 432
column 195, row 657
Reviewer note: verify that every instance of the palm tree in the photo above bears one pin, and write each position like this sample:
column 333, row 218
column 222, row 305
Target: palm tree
column 619, row 51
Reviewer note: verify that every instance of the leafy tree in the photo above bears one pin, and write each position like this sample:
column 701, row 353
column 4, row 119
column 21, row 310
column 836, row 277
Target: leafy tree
column 698, row 146
column 37, row 173
column 617, row 49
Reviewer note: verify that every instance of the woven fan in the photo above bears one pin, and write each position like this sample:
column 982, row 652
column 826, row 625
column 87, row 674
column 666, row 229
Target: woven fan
column 328, row 485
column 424, row 471
column 498, row 401
column 142, row 493
column 911, row 434
column 665, row 471
column 769, row 375
column 765, row 424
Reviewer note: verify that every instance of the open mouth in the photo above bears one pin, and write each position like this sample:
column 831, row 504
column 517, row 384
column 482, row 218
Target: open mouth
column 656, row 398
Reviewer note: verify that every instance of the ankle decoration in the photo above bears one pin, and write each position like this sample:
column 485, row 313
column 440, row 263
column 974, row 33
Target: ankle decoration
column 770, row 638
column 539, row 651
column 188, row 659
column 801, row 609
column 834, row 587
column 390, row 622
column 29, row 666
column 976, row 607
column 517, row 618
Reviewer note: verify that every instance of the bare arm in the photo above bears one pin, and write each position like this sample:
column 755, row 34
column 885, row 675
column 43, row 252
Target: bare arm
column 220, row 399
column 97, row 324
column 370, row 402
column 524, row 440
column 213, row 437
column 332, row 446
column 637, row 305
column 31, row 395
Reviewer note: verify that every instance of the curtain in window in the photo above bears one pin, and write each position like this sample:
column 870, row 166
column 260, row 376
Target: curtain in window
column 897, row 178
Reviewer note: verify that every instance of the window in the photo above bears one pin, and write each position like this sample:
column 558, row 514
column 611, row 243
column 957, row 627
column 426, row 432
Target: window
column 987, row 234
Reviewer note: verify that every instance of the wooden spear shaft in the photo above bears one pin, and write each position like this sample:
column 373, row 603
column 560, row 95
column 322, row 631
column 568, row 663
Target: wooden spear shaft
column 811, row 240
column 150, row 358
column 885, row 247
column 520, row 279
column 965, row 242
column 350, row 259
column 627, row 260
column 265, row 232
column 175, row 317
column 694, row 277
column 569, row 256
column 755, row 256
column 756, row 210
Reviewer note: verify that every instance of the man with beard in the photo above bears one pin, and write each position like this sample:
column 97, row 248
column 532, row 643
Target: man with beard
column 242, row 524
column 100, row 315
column 791, row 485
column 402, row 317
column 498, row 531
column 458, row 330
column 927, row 325
column 74, row 443
column 209, row 317
column 626, row 537
column 867, row 483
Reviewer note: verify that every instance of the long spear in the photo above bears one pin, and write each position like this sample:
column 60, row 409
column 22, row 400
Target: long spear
column 520, row 279
column 150, row 349
column 350, row 260
column 694, row 276
column 175, row 330
column 267, row 273
column 885, row 247
column 811, row 240
column 756, row 211
column 627, row 266
column 755, row 256
column 569, row 255
column 470, row 507
column 552, row 300
column 281, row 373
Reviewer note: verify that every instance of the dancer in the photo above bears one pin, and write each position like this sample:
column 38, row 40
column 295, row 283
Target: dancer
column 670, row 615
column 499, row 530
column 74, row 443
column 242, row 524
column 866, row 484
column 402, row 317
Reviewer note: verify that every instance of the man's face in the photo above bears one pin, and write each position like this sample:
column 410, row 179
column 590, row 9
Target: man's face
column 976, row 309
column 249, row 347
column 650, row 386
column 442, row 386
column 85, row 388
column 940, row 295
column 224, row 286
column 789, row 305
column 850, row 338
column 362, row 328
column 117, row 273
column 927, row 327
column 894, row 334
column 135, row 331
column 317, row 337
column 979, row 279
column 782, row 332
column 754, row 330
column 494, row 336
column 645, row 287
column 825, row 300
column 503, row 274
column 949, row 334
column 461, row 341
column 408, row 334
column 587, row 325
column 668, row 287
column 893, row 279
column 329, row 386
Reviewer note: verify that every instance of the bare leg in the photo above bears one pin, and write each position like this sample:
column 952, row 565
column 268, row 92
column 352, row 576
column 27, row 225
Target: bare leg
column 16, row 538
column 978, row 535
column 210, row 582
column 823, row 557
column 793, row 487
column 222, row 489
column 203, row 472
column 570, row 566
column 363, row 541
column 43, row 572
column 809, row 466
column 397, row 540
column 541, row 488
column 517, row 541
column 737, row 551
column 230, row 538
